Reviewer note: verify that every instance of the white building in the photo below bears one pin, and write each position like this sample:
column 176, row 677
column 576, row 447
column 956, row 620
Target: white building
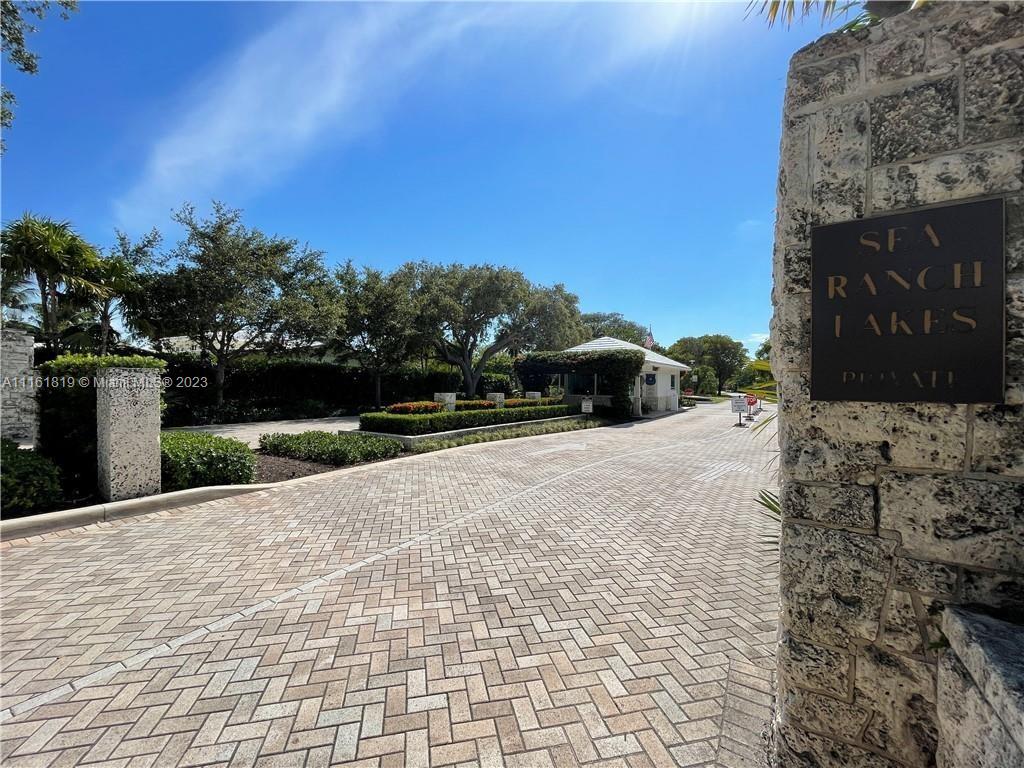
column 658, row 385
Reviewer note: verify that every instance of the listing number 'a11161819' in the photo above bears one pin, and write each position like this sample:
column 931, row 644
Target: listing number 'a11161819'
column 910, row 307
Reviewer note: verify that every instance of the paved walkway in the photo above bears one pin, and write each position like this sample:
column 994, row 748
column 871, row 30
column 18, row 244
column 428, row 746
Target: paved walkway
column 249, row 432
column 595, row 598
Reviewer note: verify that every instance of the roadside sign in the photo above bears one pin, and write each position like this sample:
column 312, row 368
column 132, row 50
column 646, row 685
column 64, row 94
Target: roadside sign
column 739, row 404
column 751, row 400
column 587, row 405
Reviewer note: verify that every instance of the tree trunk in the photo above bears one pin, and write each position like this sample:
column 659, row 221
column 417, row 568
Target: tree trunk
column 104, row 327
column 44, row 314
column 218, row 379
column 376, row 389
column 469, row 378
column 53, row 312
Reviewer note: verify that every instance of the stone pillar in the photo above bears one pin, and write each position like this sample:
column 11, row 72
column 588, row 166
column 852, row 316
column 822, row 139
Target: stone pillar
column 448, row 398
column 497, row 397
column 128, row 432
column 19, row 411
column 892, row 511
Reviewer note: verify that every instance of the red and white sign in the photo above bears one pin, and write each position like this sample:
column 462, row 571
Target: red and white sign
column 751, row 400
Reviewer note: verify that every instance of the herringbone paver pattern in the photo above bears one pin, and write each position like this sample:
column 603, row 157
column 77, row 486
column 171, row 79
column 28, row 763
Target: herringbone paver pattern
column 598, row 598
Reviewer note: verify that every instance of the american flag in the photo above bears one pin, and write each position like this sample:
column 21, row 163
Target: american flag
column 649, row 341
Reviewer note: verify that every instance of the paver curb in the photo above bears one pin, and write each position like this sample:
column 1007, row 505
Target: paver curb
column 34, row 525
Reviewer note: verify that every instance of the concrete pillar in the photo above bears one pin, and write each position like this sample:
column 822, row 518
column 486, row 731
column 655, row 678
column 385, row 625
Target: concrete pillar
column 497, row 397
column 19, row 412
column 533, row 395
column 448, row 398
column 127, row 432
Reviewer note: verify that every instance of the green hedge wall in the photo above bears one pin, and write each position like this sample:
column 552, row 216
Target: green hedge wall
column 425, row 423
column 337, row 448
column 619, row 367
column 67, row 415
column 195, row 459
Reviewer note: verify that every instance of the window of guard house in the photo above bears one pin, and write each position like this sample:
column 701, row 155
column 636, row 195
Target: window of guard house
column 672, row 381
column 581, row 383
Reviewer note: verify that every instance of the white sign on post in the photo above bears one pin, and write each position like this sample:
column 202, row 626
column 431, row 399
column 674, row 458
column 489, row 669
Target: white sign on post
column 739, row 404
column 587, row 405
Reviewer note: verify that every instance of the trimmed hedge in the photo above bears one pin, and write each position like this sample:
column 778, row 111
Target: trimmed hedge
column 687, row 402
column 29, row 483
column 417, row 406
column 339, row 448
column 474, row 405
column 425, row 423
column 523, row 402
column 67, row 415
column 195, row 459
column 523, row 430
column 619, row 367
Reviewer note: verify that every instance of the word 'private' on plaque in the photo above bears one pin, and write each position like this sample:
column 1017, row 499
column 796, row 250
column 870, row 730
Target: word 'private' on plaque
column 910, row 307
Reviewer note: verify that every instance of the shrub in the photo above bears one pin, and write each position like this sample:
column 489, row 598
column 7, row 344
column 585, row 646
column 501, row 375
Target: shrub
column 495, row 382
column 524, row 430
column 522, row 402
column 425, row 423
column 687, row 402
column 474, row 405
column 417, row 406
column 29, row 483
column 195, row 459
column 67, row 415
column 330, row 448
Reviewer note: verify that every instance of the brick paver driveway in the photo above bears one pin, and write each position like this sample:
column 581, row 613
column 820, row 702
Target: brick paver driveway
column 596, row 598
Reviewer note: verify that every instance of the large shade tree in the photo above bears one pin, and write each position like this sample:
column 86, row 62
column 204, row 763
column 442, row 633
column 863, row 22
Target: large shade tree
column 380, row 319
column 724, row 355
column 56, row 260
column 233, row 289
column 472, row 313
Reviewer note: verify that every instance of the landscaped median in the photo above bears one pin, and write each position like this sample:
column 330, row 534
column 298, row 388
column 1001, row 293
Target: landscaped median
column 414, row 428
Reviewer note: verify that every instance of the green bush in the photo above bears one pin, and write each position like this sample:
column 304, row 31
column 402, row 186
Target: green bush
column 195, row 459
column 687, row 402
column 67, row 415
column 425, row 423
column 525, row 430
column 330, row 448
column 523, row 402
column 29, row 483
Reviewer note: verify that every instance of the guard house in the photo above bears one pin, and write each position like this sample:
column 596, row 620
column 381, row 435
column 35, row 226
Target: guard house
column 658, row 385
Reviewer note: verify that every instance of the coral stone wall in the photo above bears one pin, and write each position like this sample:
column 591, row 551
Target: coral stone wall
column 19, row 412
column 892, row 511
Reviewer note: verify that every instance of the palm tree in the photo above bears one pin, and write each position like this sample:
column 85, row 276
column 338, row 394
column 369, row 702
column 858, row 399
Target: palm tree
column 787, row 11
column 56, row 257
column 119, row 275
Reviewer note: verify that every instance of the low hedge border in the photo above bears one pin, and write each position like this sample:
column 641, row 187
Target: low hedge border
column 339, row 449
column 526, row 430
column 425, row 423
column 29, row 482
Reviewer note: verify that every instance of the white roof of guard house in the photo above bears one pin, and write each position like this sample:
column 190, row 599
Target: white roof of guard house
column 607, row 342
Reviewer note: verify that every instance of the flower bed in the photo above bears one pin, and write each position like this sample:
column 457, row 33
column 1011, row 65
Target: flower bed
column 339, row 449
column 425, row 423
column 507, row 433
column 474, row 405
column 417, row 406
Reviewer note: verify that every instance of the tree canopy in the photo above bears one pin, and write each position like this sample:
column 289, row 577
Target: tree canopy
column 724, row 355
column 233, row 289
column 615, row 325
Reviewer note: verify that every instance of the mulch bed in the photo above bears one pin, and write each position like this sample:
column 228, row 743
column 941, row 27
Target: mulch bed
column 271, row 469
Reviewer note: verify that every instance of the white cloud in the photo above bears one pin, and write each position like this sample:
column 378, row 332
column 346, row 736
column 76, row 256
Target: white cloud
column 329, row 72
column 754, row 340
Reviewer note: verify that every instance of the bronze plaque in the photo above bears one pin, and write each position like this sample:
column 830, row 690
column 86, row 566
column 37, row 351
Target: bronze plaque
column 910, row 307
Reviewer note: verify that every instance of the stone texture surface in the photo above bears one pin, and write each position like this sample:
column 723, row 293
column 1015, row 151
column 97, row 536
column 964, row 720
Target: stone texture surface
column 921, row 120
column 823, row 599
column 981, row 692
column 127, row 433
column 541, row 602
column 893, row 512
column 19, row 411
column 955, row 519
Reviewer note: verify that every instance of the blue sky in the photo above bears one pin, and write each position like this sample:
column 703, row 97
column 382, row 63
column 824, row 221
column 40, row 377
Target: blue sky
column 628, row 151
